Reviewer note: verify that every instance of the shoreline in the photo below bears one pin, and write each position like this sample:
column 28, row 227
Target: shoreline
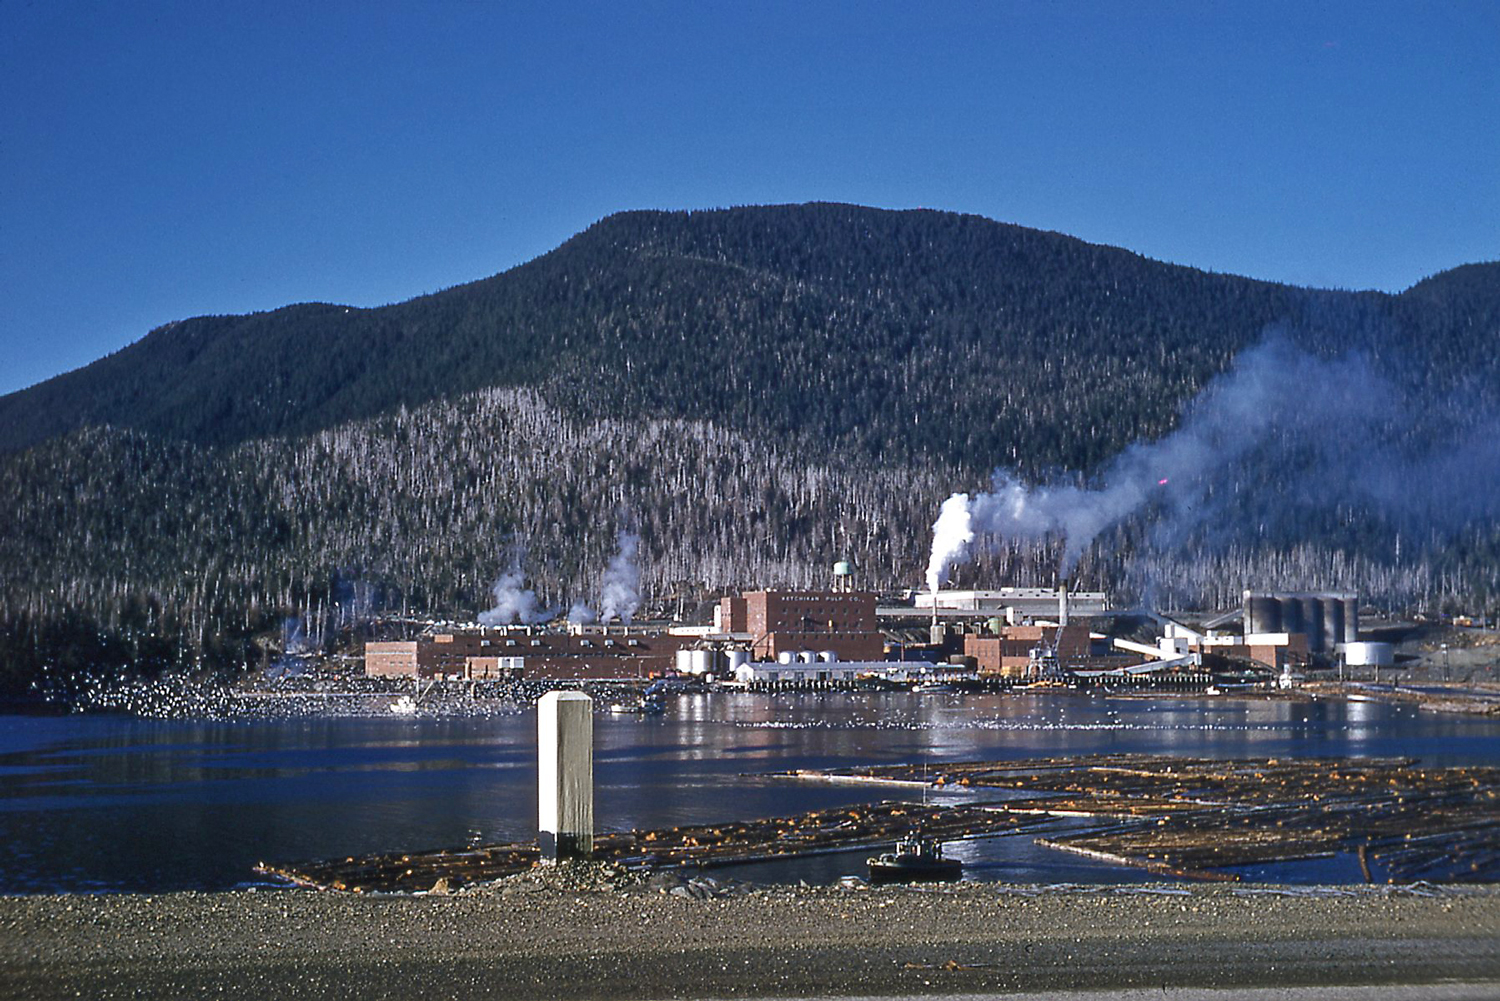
column 524, row 940
column 370, row 698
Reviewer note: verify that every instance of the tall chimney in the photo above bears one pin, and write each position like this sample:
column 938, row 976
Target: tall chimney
column 1062, row 604
column 936, row 635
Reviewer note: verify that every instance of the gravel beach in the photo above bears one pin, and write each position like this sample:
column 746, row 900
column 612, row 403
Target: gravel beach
column 533, row 940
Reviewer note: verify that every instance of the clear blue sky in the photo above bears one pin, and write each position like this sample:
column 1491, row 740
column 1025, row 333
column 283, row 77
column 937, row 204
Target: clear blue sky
column 165, row 160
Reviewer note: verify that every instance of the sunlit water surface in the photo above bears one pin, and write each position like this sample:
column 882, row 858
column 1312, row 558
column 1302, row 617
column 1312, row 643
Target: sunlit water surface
column 99, row 803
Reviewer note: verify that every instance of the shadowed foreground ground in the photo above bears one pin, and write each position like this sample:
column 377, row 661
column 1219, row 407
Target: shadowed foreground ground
column 546, row 943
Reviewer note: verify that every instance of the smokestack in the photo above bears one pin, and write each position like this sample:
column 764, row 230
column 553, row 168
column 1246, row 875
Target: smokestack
column 1062, row 604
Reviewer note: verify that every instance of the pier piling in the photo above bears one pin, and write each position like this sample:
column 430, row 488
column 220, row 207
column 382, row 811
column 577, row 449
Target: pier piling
column 565, row 774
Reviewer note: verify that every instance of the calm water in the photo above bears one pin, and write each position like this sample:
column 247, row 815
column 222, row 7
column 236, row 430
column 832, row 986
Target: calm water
column 115, row 804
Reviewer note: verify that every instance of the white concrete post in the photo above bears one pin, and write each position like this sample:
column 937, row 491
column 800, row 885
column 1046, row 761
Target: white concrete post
column 565, row 770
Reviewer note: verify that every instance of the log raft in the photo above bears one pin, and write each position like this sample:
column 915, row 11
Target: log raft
column 700, row 846
column 1200, row 817
column 1182, row 817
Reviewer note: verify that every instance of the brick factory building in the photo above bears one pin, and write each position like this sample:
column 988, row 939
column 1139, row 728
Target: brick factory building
column 522, row 651
column 1008, row 653
column 777, row 622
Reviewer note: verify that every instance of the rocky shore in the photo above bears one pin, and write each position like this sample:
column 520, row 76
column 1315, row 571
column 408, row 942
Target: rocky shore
column 598, row 936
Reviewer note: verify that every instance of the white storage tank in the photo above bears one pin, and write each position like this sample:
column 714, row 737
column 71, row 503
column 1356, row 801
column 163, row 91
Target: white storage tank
column 684, row 661
column 807, row 656
column 703, row 662
column 828, row 656
column 737, row 660
column 786, row 657
column 1369, row 654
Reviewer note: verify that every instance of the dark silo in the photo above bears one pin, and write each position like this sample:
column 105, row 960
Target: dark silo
column 1312, row 622
column 1291, row 616
column 1263, row 614
column 1333, row 622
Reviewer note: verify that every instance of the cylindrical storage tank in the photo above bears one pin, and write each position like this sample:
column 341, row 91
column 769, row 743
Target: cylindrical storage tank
column 1265, row 615
column 737, row 660
column 703, row 662
column 995, row 625
column 1312, row 622
column 807, row 656
column 684, row 661
column 1351, row 620
column 1333, row 623
column 828, row 656
column 1358, row 654
column 1291, row 616
column 786, row 657
column 843, row 568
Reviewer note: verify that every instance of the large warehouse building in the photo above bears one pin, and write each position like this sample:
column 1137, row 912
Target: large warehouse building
column 530, row 652
column 778, row 622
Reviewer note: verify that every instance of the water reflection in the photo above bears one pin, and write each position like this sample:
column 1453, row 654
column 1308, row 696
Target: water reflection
column 118, row 804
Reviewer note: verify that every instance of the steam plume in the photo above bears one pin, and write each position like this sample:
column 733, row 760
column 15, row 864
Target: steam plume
column 951, row 535
column 620, row 587
column 1337, row 434
column 512, row 603
column 293, row 636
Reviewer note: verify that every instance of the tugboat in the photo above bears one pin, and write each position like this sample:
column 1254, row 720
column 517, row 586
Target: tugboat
column 915, row 859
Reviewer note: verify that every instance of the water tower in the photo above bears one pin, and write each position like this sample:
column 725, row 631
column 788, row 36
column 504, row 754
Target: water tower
column 843, row 576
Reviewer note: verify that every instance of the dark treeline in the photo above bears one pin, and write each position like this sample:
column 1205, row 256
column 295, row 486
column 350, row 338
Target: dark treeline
column 757, row 391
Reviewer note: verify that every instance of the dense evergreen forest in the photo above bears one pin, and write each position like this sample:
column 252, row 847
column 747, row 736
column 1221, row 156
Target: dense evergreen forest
column 757, row 392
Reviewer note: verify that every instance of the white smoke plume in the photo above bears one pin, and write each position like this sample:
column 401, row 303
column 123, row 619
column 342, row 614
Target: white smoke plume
column 581, row 614
column 620, row 587
column 513, row 604
column 1343, row 435
column 951, row 535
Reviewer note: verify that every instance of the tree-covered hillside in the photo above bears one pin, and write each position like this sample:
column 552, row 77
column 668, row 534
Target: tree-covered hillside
column 127, row 549
column 917, row 334
column 757, row 391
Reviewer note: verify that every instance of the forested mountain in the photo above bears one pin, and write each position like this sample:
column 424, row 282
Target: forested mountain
column 758, row 391
column 920, row 333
